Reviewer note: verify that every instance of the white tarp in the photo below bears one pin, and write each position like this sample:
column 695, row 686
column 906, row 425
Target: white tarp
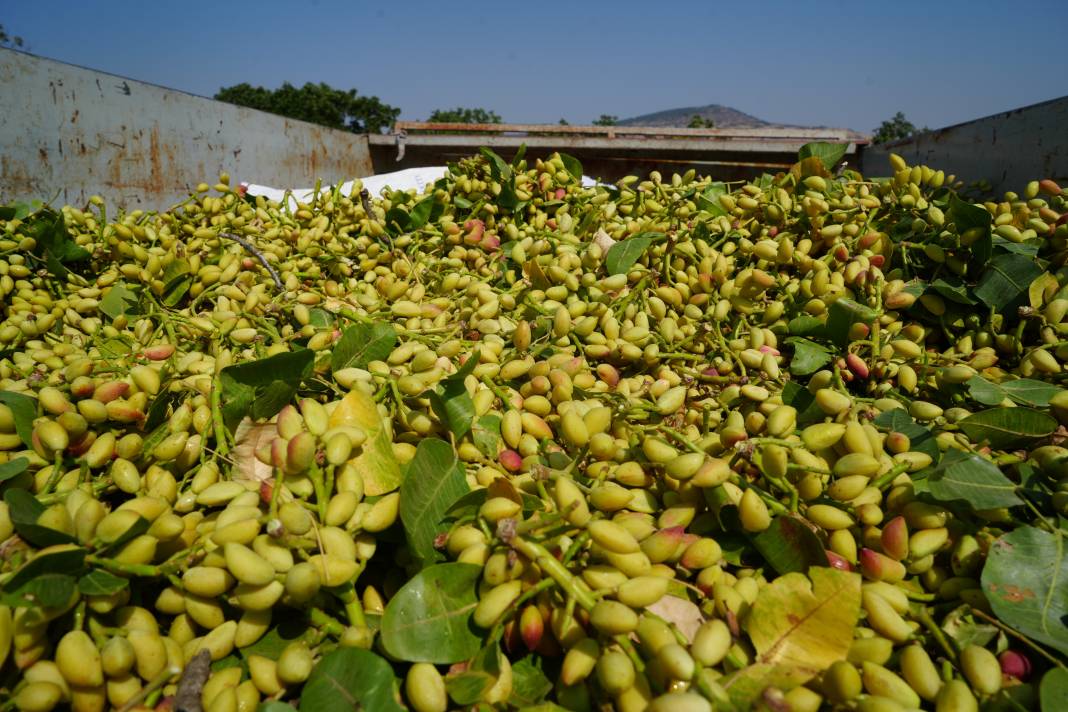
column 417, row 178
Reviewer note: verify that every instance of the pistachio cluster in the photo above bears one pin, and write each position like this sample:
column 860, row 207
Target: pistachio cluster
column 665, row 403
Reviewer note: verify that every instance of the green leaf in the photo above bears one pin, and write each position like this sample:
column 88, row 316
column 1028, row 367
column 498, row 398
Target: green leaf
column 529, row 683
column 261, row 388
column 101, row 583
column 1030, row 392
column 962, row 628
column 519, row 154
column 13, row 468
column 467, row 506
column 972, row 478
column 468, row 687
column 429, row 618
column 487, row 435
column 397, row 220
column 572, row 165
column 64, row 561
column 16, row 210
column 118, row 301
column 709, row 199
column 277, row 638
column 808, row 411
column 920, row 438
column 54, row 243
column 421, row 212
column 1054, row 690
column 966, row 216
column 139, row 527
column 320, row 318
column 1006, row 427
column 24, row 510
column 452, row 403
column 789, row 544
column 842, row 314
column 24, row 408
column 508, row 198
column 434, row 481
column 1024, row 580
column 1028, row 248
column 622, row 255
column 1005, row 280
column 499, row 168
column 275, row 706
column 808, row 356
column 806, row 325
column 828, row 153
column 48, row 590
column 350, row 679
column 984, row 391
column 361, row 344
column 176, row 280
column 116, row 347
column 953, row 289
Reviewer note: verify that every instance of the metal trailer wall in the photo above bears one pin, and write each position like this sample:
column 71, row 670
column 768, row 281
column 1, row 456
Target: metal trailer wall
column 1007, row 149
column 610, row 152
column 67, row 133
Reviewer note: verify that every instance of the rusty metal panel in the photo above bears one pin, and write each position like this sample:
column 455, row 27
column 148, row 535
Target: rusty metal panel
column 768, row 132
column 67, row 133
column 709, row 144
column 1007, row 149
column 610, row 152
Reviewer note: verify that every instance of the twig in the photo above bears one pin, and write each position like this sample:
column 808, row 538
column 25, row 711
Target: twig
column 1027, row 641
column 249, row 247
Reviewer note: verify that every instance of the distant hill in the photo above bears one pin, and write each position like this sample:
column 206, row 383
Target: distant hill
column 724, row 117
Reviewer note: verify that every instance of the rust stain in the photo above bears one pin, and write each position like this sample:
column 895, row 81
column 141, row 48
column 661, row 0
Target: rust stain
column 154, row 161
column 74, row 117
column 1015, row 594
column 42, row 153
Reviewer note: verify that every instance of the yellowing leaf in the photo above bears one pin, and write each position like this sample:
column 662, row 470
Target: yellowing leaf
column 747, row 685
column 376, row 463
column 1042, row 284
column 799, row 628
column 806, row 625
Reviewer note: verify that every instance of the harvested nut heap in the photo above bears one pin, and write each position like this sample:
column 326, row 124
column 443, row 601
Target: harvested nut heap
column 667, row 445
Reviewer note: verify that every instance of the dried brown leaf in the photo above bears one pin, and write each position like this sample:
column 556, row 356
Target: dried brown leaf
column 249, row 437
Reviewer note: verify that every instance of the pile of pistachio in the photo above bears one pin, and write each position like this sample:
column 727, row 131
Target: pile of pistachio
column 515, row 443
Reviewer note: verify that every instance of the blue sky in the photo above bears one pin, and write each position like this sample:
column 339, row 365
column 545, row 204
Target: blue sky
column 820, row 63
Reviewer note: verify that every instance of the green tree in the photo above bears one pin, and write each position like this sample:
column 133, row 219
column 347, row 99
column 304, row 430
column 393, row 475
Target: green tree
column 696, row 122
column 461, row 115
column 13, row 41
column 318, row 103
column 895, row 128
column 563, row 122
column 606, row 120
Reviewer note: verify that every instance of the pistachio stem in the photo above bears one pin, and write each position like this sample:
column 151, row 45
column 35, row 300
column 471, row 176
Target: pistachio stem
column 1022, row 638
column 556, row 570
column 924, row 617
